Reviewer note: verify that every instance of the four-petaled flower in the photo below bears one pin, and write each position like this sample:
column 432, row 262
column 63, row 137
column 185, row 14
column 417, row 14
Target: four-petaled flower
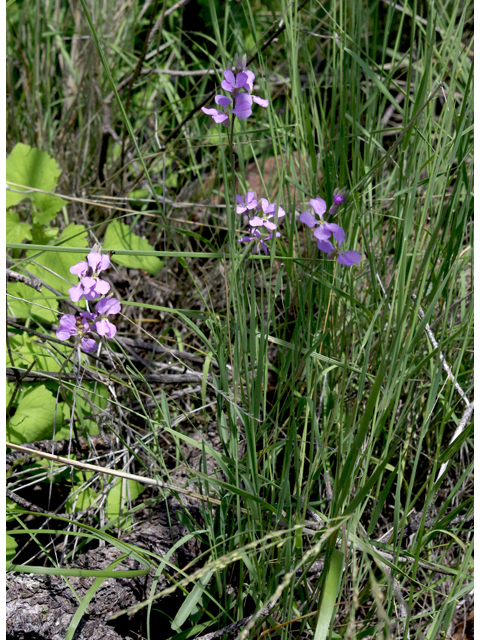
column 72, row 326
column 106, row 307
column 268, row 213
column 250, row 202
column 90, row 285
column 243, row 80
column 323, row 230
column 259, row 240
column 240, row 86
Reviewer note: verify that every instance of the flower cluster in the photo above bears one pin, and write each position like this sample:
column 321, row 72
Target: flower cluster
column 90, row 287
column 324, row 231
column 240, row 86
column 265, row 215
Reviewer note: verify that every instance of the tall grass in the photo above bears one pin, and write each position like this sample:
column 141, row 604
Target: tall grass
column 334, row 408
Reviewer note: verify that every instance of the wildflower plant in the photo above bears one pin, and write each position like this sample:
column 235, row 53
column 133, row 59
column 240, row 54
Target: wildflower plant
column 90, row 287
column 329, row 396
column 239, row 82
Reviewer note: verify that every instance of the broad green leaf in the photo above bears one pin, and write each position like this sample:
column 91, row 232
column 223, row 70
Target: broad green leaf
column 25, row 302
column 17, row 231
column 33, row 168
column 60, row 262
column 10, row 388
column 98, row 396
column 119, row 236
column 118, row 494
column 26, row 349
column 11, row 547
column 33, row 419
column 80, row 501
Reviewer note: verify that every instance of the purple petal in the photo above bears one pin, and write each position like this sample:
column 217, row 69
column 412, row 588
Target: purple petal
column 325, row 245
column 220, row 117
column 75, row 293
column 260, row 101
column 79, row 269
column 87, row 315
column 102, row 287
column 309, row 219
column 223, row 101
column 88, row 345
column 105, row 328
column 94, row 259
column 250, row 80
column 251, row 200
column 68, row 321
column 227, row 86
column 210, row 112
column 88, row 283
column 338, row 199
column 263, row 205
column 278, row 210
column 348, row 258
column 108, row 306
column 270, row 236
column 269, row 225
column 240, row 199
column 264, row 247
column 243, row 106
column 337, row 232
column 64, row 334
column 319, row 206
column 229, row 76
column 91, row 294
column 104, row 263
column 322, row 232
column 256, row 221
column 67, row 328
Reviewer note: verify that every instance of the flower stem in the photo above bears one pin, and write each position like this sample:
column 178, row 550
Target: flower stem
column 232, row 157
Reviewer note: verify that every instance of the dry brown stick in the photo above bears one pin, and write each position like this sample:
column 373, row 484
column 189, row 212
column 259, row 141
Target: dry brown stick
column 237, row 625
column 67, row 462
column 13, row 276
column 165, row 378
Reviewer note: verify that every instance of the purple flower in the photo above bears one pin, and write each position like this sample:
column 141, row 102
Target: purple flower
column 323, row 230
column 242, row 102
column 347, row 258
column 268, row 213
column 72, row 326
column 243, row 80
column 106, row 307
column 259, row 240
column 90, row 285
column 250, row 202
